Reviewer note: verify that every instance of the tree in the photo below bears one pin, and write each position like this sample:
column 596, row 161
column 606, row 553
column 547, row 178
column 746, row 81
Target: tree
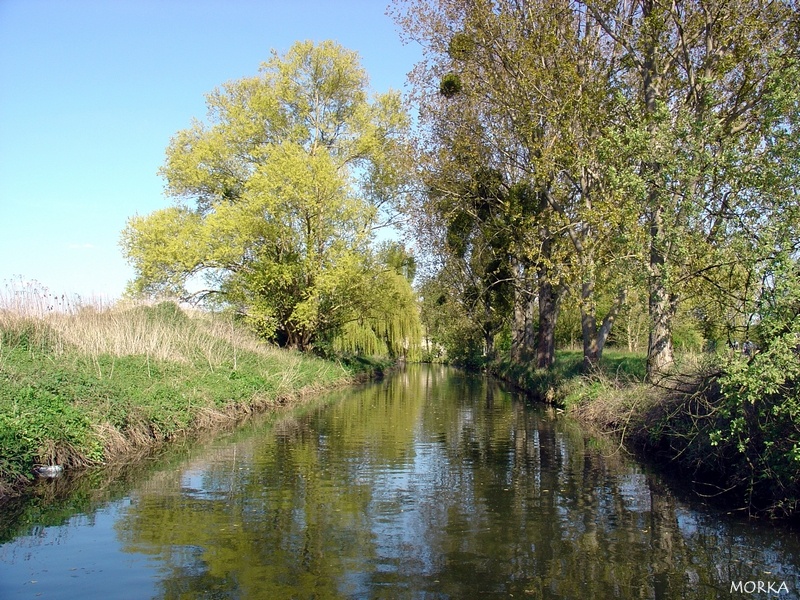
column 533, row 87
column 278, row 198
column 659, row 135
column 449, row 320
column 707, row 85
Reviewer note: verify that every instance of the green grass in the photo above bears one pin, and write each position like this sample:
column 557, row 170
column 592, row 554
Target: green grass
column 567, row 382
column 86, row 385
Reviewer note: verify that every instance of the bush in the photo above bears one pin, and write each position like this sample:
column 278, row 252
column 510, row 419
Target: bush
column 759, row 422
column 37, row 425
column 738, row 423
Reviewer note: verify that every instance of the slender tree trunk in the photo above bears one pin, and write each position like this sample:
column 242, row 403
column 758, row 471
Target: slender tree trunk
column 662, row 303
column 608, row 321
column 518, row 332
column 488, row 342
column 594, row 338
column 591, row 352
column 549, row 304
column 629, row 331
column 530, row 325
column 292, row 337
column 521, row 341
column 488, row 331
column 660, row 353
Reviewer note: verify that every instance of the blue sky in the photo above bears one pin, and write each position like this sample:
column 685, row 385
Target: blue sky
column 92, row 91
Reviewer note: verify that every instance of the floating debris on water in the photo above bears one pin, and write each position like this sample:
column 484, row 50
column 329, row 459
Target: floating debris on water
column 48, row 471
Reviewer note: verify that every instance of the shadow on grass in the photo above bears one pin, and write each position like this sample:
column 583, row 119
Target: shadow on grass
column 557, row 384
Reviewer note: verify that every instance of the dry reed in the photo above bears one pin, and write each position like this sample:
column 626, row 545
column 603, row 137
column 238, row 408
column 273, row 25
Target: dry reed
column 96, row 327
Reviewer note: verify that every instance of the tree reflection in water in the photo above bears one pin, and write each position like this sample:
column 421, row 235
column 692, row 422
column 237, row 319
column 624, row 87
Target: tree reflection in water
column 434, row 484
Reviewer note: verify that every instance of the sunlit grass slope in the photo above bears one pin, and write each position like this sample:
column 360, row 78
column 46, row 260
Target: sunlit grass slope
column 87, row 384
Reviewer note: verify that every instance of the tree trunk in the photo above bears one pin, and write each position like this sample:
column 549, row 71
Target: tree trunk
column 488, row 344
column 489, row 330
column 518, row 329
column 521, row 338
column 660, row 355
column 594, row 339
column 661, row 304
column 591, row 351
column 608, row 322
column 549, row 303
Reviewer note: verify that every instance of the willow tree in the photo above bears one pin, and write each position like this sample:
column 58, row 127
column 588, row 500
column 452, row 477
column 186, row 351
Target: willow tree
column 278, row 197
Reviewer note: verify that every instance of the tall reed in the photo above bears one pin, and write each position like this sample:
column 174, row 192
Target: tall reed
column 30, row 314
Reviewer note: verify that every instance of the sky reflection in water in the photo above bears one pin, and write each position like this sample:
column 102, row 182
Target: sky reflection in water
column 430, row 484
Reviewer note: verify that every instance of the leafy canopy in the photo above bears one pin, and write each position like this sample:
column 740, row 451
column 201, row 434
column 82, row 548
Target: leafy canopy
column 278, row 197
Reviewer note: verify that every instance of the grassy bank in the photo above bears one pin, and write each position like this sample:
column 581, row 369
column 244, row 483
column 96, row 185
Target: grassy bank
column 566, row 383
column 81, row 386
column 727, row 424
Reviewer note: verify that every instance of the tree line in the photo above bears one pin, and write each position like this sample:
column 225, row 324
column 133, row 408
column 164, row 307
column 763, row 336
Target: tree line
column 600, row 154
column 574, row 164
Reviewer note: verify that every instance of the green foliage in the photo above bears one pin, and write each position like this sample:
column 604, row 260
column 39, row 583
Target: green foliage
column 687, row 335
column 453, row 336
column 653, row 162
column 395, row 256
column 461, row 46
column 760, row 403
column 280, row 194
column 390, row 324
column 37, row 425
column 566, row 383
column 732, row 423
column 450, row 85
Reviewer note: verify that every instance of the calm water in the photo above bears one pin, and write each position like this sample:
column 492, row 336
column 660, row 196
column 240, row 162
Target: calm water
column 430, row 484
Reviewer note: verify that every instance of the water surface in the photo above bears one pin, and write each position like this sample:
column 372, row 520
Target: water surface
column 429, row 484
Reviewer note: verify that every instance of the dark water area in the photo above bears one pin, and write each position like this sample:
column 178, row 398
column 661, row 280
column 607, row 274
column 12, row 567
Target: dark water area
column 429, row 484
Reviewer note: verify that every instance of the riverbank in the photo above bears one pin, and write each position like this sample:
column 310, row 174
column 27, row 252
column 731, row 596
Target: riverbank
column 90, row 385
column 738, row 449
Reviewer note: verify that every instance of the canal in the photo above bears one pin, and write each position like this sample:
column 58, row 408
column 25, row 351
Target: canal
column 429, row 484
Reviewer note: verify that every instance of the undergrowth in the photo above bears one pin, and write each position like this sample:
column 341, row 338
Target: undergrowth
column 726, row 423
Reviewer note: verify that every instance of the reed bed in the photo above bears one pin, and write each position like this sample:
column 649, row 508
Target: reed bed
column 94, row 328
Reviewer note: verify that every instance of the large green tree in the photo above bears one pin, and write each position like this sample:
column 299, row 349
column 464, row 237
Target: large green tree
column 659, row 135
column 278, row 197
column 711, row 96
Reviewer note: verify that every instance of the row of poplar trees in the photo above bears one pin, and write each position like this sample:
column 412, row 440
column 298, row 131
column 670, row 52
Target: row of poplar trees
column 583, row 150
